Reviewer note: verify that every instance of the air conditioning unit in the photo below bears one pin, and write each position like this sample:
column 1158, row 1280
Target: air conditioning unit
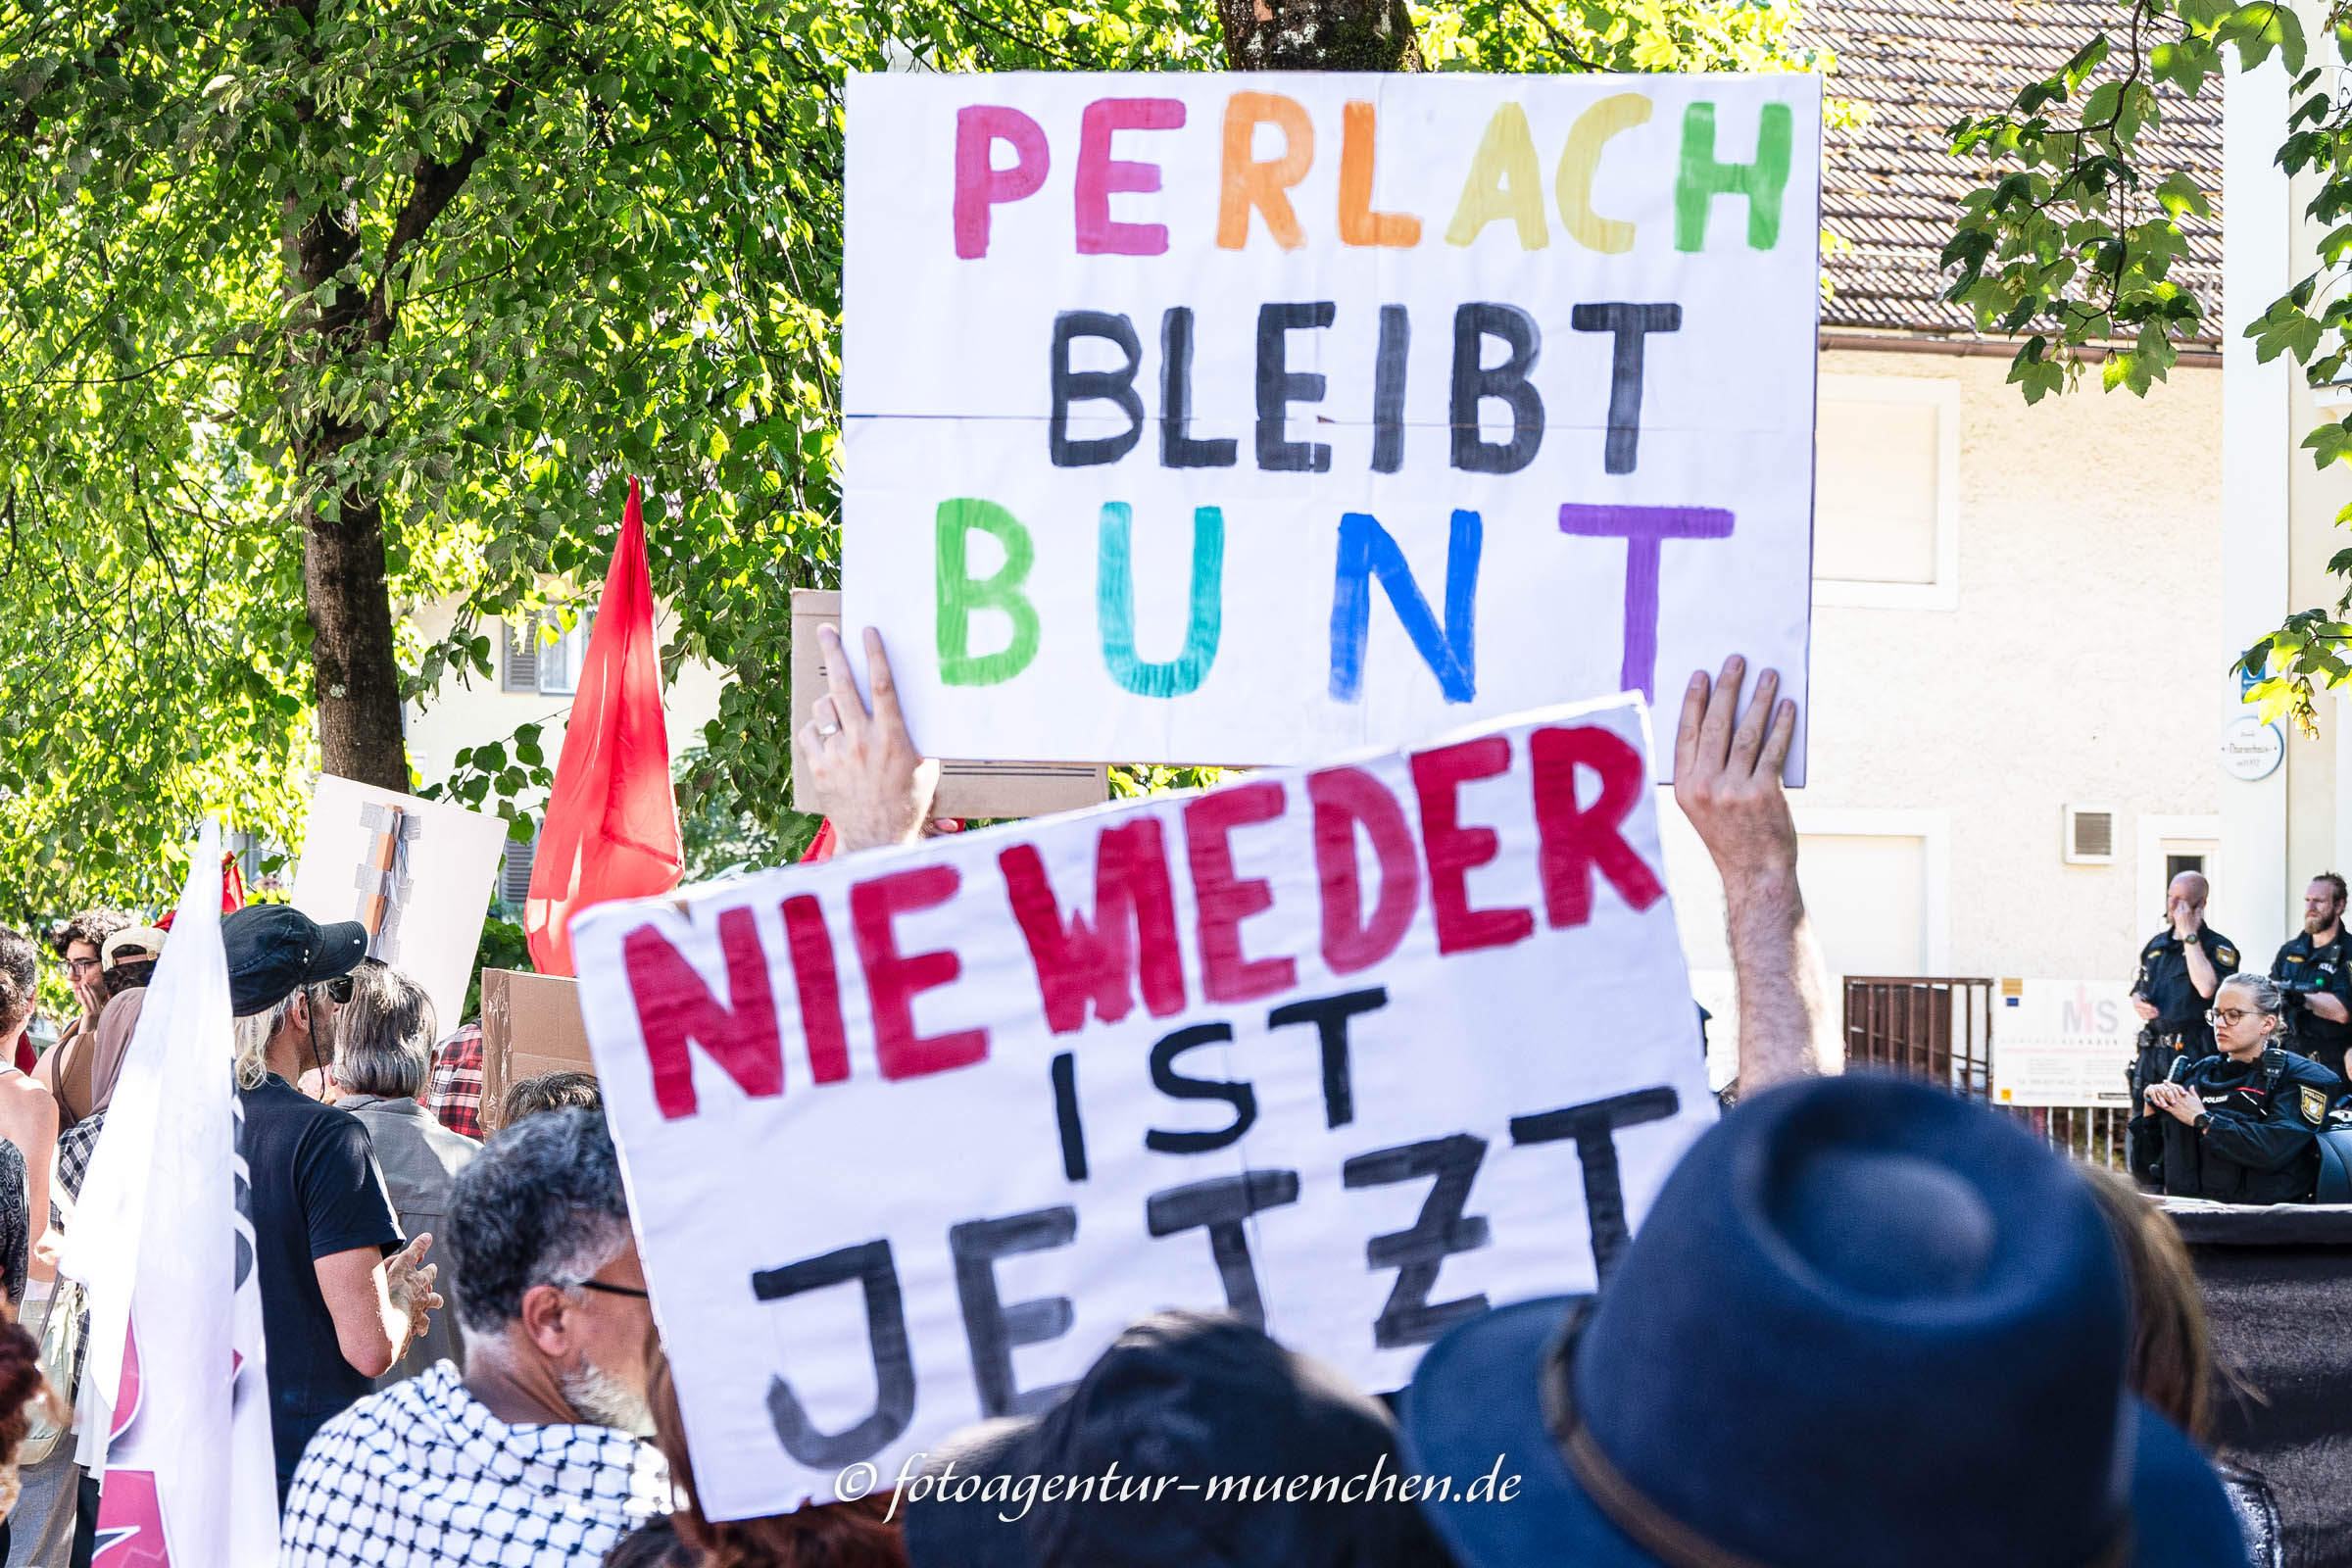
column 2089, row 835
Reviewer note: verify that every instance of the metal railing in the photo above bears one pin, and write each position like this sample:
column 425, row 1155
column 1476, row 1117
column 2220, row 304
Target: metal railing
column 2093, row 1133
column 1936, row 1029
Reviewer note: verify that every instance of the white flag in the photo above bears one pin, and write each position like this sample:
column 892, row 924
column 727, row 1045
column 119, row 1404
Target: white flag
column 163, row 1241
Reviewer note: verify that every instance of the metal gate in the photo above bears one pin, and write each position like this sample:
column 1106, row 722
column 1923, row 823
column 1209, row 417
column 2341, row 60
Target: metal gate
column 1936, row 1029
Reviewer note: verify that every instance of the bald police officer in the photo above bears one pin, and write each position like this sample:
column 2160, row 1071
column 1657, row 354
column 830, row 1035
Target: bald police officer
column 2313, row 972
column 2242, row 1127
column 2179, row 971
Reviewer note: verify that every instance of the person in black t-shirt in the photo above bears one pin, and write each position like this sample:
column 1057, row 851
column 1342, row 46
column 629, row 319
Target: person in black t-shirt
column 341, row 1297
column 2315, row 971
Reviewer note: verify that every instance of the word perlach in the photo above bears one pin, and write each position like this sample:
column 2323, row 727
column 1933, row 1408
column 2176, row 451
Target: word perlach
column 1196, row 422
column 916, row 1133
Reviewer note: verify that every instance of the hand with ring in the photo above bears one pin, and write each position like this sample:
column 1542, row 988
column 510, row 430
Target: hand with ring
column 876, row 787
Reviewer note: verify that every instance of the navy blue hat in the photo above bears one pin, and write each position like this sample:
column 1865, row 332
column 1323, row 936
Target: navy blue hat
column 273, row 948
column 1864, row 1323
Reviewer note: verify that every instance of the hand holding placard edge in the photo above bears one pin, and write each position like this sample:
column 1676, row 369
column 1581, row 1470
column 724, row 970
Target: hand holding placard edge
column 864, row 763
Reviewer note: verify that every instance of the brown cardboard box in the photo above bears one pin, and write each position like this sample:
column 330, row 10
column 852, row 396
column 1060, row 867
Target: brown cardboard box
column 530, row 1024
column 965, row 789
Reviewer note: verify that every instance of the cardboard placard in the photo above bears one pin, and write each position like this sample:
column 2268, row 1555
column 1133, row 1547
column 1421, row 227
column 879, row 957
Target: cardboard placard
column 1199, row 418
column 982, row 790
column 1356, row 1052
column 530, row 1024
column 416, row 873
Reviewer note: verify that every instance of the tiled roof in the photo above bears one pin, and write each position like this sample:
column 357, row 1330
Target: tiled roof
column 1891, row 188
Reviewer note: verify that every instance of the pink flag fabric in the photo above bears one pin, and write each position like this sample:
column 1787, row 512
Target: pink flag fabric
column 611, row 829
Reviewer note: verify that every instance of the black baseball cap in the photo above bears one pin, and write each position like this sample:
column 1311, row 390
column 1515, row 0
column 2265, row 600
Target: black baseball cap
column 273, row 948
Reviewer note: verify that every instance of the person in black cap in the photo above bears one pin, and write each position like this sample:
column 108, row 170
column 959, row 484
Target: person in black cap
column 1865, row 1323
column 341, row 1297
column 2242, row 1127
column 1180, row 1403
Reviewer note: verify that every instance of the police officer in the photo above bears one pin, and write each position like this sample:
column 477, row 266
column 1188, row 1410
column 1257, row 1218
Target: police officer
column 2179, row 971
column 2314, row 972
column 2242, row 1127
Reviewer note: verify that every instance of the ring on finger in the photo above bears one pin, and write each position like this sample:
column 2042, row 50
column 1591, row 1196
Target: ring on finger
column 828, row 731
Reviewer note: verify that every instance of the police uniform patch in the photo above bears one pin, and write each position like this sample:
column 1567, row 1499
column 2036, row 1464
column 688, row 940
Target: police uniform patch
column 2313, row 1104
column 2225, row 953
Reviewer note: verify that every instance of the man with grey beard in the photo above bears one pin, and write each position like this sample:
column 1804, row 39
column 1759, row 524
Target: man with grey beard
column 532, row 1458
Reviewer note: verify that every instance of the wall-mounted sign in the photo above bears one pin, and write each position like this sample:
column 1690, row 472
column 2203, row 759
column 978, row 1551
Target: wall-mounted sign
column 2063, row 1042
column 2252, row 750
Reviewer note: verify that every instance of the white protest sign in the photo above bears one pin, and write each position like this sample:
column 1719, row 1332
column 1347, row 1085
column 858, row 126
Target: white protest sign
column 416, row 873
column 1210, row 418
column 2063, row 1042
column 1356, row 1052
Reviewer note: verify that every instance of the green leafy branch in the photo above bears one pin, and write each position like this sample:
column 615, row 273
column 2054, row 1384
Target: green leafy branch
column 505, row 770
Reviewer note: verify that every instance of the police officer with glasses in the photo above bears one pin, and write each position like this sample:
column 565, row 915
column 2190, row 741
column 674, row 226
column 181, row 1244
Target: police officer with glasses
column 2242, row 1127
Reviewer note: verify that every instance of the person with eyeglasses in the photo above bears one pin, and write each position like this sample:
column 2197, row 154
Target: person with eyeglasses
column 78, row 941
column 534, row 1455
column 342, row 1297
column 2242, row 1127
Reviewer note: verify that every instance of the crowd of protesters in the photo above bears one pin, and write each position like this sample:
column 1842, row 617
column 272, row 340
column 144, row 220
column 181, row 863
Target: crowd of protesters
column 1863, row 1323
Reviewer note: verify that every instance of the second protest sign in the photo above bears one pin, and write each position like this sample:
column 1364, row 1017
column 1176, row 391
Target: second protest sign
column 1353, row 1052
column 1258, row 418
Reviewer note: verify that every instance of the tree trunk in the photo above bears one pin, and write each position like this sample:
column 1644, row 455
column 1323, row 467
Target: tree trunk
column 355, row 669
column 355, row 663
column 1319, row 35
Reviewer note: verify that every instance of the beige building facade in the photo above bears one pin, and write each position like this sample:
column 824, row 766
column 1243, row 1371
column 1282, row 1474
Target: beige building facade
column 2016, row 621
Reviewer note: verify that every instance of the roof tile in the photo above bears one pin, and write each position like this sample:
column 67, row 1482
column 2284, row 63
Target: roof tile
column 1890, row 185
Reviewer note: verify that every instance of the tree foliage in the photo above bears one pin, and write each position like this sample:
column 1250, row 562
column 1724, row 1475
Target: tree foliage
column 2071, row 241
column 298, row 293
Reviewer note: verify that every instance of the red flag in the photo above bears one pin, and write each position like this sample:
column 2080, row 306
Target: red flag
column 611, row 828
column 232, row 885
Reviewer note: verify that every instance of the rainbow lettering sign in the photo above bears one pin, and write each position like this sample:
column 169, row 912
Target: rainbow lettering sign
column 1202, row 419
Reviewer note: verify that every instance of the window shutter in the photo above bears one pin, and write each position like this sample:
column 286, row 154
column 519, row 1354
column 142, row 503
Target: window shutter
column 522, row 671
column 514, row 871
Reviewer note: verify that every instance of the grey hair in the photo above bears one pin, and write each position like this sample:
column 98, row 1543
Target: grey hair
column 255, row 1031
column 2260, row 989
column 541, row 1204
column 384, row 1035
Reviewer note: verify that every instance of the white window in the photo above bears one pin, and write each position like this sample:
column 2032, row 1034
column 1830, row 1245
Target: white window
column 1886, row 497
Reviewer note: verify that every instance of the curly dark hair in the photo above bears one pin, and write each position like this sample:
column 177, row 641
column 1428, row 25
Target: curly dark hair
column 541, row 1204
column 21, row 1383
column 93, row 926
column 19, row 973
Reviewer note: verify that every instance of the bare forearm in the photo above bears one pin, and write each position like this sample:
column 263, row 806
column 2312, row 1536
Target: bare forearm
column 1785, row 1030
column 2328, row 1005
column 370, row 1331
